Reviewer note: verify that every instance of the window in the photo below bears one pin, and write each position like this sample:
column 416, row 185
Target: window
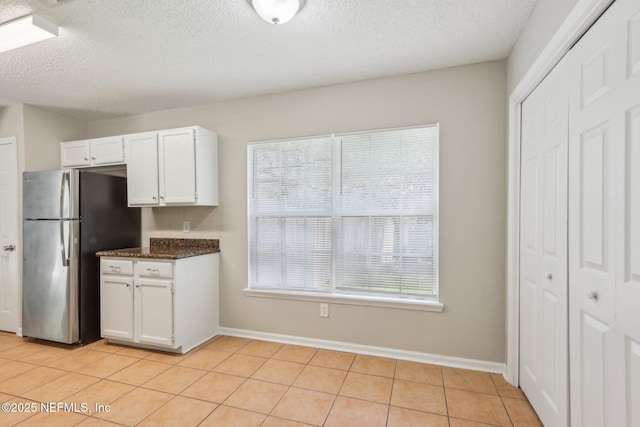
column 353, row 214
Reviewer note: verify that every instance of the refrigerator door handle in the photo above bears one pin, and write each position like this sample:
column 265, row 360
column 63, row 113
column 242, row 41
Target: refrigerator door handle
column 64, row 186
column 64, row 245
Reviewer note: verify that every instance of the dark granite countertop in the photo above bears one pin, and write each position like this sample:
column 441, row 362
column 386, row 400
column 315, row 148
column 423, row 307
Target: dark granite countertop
column 167, row 249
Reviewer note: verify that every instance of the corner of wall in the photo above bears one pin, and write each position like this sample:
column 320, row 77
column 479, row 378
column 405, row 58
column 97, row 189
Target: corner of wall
column 43, row 132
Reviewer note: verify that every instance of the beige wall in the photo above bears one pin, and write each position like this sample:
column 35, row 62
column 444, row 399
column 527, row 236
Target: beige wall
column 39, row 133
column 12, row 124
column 469, row 102
column 12, row 121
column 545, row 20
column 43, row 133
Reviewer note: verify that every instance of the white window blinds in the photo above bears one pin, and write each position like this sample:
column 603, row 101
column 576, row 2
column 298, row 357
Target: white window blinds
column 355, row 213
column 290, row 205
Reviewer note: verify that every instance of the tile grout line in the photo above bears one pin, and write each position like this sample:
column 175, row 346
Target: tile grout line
column 218, row 405
column 446, row 401
column 289, row 387
column 140, row 386
column 502, row 401
column 206, row 371
column 393, row 383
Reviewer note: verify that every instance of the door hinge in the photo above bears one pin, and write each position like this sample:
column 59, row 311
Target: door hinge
column 173, row 338
column 173, row 289
column 196, row 195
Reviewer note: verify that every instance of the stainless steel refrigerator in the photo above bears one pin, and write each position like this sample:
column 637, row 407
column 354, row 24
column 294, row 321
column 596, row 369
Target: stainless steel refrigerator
column 69, row 215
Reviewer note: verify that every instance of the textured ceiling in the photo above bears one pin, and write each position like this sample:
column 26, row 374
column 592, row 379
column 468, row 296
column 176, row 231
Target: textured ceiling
column 122, row 57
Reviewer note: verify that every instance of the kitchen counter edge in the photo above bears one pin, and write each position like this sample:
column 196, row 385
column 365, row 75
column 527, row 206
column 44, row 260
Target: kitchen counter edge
column 177, row 253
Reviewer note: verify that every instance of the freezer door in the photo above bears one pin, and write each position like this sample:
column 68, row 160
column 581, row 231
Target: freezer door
column 50, row 194
column 50, row 280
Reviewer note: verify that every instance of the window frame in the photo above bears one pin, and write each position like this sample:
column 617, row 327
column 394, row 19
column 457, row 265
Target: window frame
column 424, row 303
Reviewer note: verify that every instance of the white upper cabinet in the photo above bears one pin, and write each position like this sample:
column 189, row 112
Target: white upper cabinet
column 175, row 167
column 93, row 152
column 142, row 169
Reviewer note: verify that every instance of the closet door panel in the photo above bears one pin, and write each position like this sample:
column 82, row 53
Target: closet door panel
column 628, row 218
column 595, row 355
column 543, row 280
column 594, row 136
column 593, row 215
column 631, row 234
column 632, row 39
column 632, row 382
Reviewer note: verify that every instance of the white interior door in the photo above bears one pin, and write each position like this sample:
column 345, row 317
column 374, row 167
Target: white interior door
column 627, row 218
column 595, row 138
column 9, row 250
column 543, row 251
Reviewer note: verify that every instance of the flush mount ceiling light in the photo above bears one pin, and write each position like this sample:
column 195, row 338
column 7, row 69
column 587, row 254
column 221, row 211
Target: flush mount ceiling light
column 24, row 31
column 277, row 11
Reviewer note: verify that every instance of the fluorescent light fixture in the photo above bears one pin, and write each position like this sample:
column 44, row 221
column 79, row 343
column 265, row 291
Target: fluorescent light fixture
column 277, row 11
column 24, row 31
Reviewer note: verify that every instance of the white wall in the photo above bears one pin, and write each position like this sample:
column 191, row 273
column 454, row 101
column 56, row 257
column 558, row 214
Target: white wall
column 544, row 21
column 469, row 102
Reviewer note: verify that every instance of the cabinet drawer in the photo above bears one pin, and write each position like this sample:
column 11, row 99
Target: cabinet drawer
column 116, row 266
column 154, row 269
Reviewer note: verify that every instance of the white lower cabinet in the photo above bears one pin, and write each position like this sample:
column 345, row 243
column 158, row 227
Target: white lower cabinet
column 170, row 305
column 153, row 310
column 116, row 311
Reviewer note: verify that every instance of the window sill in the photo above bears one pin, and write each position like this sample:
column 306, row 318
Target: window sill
column 347, row 299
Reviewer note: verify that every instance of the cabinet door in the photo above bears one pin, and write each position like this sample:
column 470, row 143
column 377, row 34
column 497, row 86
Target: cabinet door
column 76, row 153
column 142, row 169
column 107, row 150
column 154, row 311
column 177, row 166
column 116, row 307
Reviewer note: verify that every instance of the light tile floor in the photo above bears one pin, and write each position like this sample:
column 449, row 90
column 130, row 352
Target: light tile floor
column 232, row 381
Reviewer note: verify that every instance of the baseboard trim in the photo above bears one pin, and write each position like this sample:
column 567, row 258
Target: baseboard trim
column 412, row 356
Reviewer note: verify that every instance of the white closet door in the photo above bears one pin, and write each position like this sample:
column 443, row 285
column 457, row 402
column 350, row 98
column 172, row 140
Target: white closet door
column 543, row 251
column 627, row 217
column 595, row 133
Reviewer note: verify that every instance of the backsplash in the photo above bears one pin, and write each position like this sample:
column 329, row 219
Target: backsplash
column 168, row 222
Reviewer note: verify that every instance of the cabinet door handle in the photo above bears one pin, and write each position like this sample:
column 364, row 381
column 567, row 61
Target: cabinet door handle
column 137, row 286
column 161, row 197
column 593, row 295
column 128, row 285
column 153, row 270
column 86, row 159
column 155, row 198
column 115, row 268
column 549, row 276
column 93, row 158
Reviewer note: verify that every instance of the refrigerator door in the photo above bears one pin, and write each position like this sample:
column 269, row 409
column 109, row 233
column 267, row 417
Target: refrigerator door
column 50, row 280
column 106, row 223
column 51, row 194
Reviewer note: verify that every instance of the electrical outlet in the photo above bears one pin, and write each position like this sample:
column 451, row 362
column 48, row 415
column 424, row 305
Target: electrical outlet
column 186, row 226
column 324, row 310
